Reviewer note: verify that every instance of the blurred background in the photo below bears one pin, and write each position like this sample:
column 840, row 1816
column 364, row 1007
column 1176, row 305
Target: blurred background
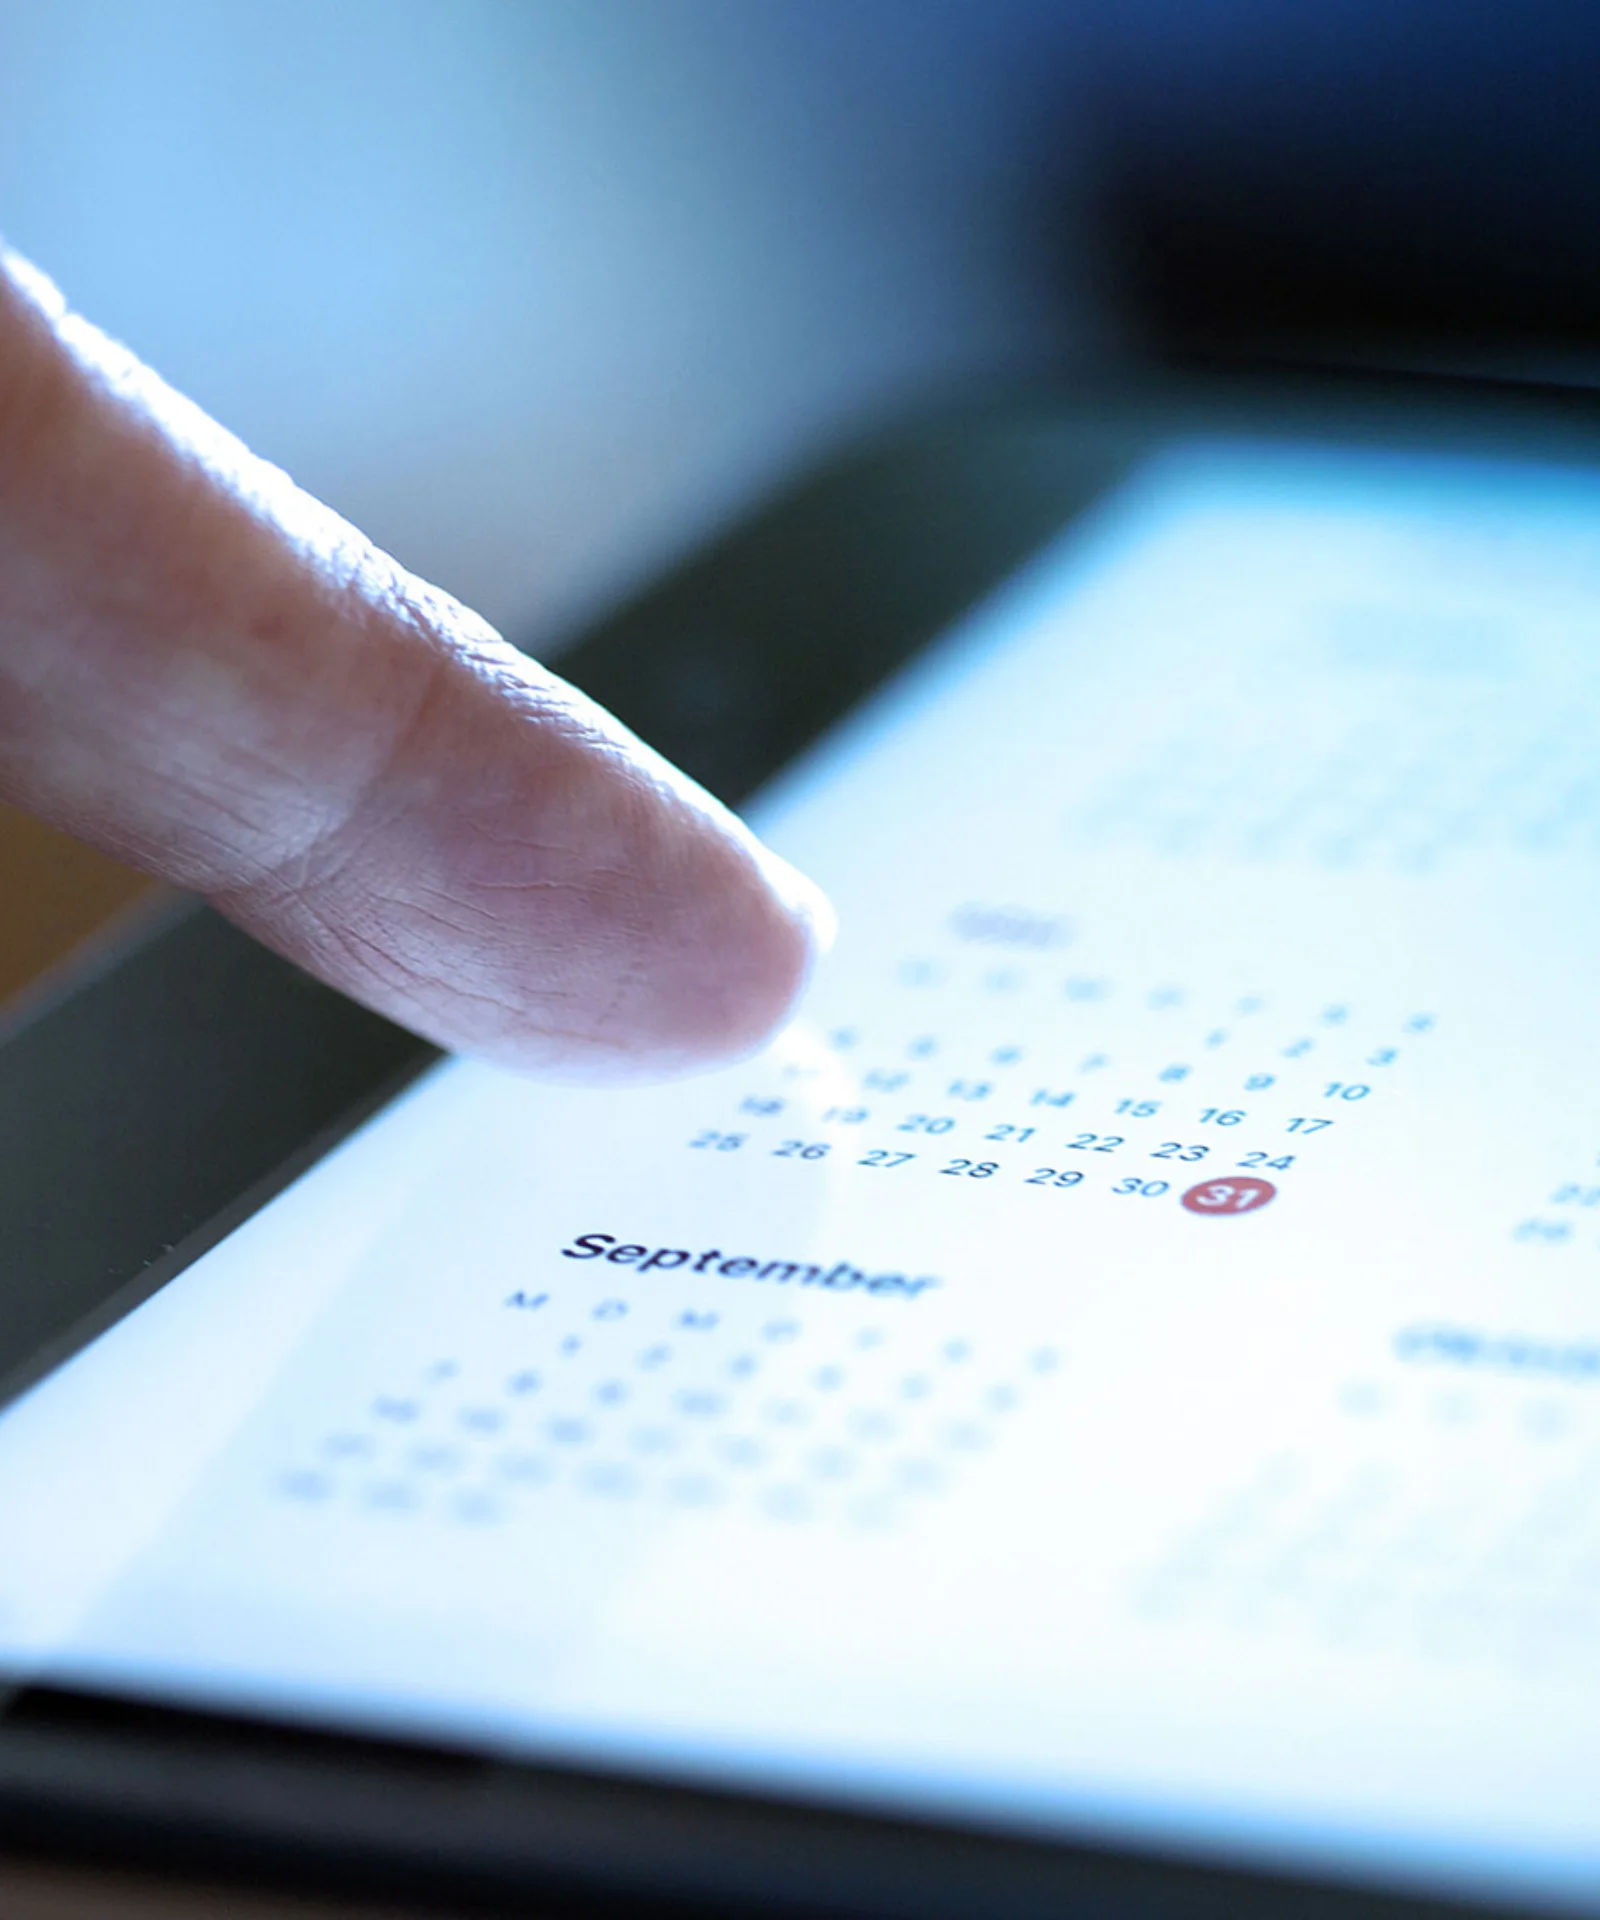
column 540, row 291
column 535, row 291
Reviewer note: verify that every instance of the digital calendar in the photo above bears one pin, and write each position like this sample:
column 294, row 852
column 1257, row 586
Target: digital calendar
column 1130, row 1349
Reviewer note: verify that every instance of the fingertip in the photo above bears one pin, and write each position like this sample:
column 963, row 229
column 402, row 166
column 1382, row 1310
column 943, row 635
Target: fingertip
column 804, row 899
column 736, row 968
column 797, row 931
column 717, row 935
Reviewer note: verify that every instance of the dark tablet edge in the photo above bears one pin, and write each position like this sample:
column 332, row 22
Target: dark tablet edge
column 169, row 1087
column 150, row 1278
column 98, row 954
column 133, row 1781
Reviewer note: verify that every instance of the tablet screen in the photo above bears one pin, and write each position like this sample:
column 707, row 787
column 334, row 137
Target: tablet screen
column 1126, row 1362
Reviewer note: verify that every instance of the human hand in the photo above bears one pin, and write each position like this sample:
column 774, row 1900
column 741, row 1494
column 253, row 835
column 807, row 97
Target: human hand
column 207, row 673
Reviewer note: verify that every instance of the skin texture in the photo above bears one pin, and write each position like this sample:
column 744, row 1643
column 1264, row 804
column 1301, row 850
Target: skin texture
column 209, row 674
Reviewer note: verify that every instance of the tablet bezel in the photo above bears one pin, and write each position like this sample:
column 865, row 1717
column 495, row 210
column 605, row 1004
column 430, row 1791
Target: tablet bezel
column 188, row 1075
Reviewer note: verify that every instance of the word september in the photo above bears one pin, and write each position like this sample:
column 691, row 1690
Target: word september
column 840, row 1278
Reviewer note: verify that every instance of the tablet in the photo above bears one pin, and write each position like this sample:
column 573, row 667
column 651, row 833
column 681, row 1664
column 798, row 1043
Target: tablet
column 1105, row 1407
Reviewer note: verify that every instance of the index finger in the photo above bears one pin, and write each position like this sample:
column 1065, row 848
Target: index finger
column 206, row 672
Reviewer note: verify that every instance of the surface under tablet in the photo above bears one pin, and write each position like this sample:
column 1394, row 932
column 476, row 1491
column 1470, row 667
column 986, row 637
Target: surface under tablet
column 1126, row 1362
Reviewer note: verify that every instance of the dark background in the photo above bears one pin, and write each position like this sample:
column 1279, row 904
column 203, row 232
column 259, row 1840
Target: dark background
column 1408, row 180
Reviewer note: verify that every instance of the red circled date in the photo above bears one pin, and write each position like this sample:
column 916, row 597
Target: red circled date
column 1243, row 1195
